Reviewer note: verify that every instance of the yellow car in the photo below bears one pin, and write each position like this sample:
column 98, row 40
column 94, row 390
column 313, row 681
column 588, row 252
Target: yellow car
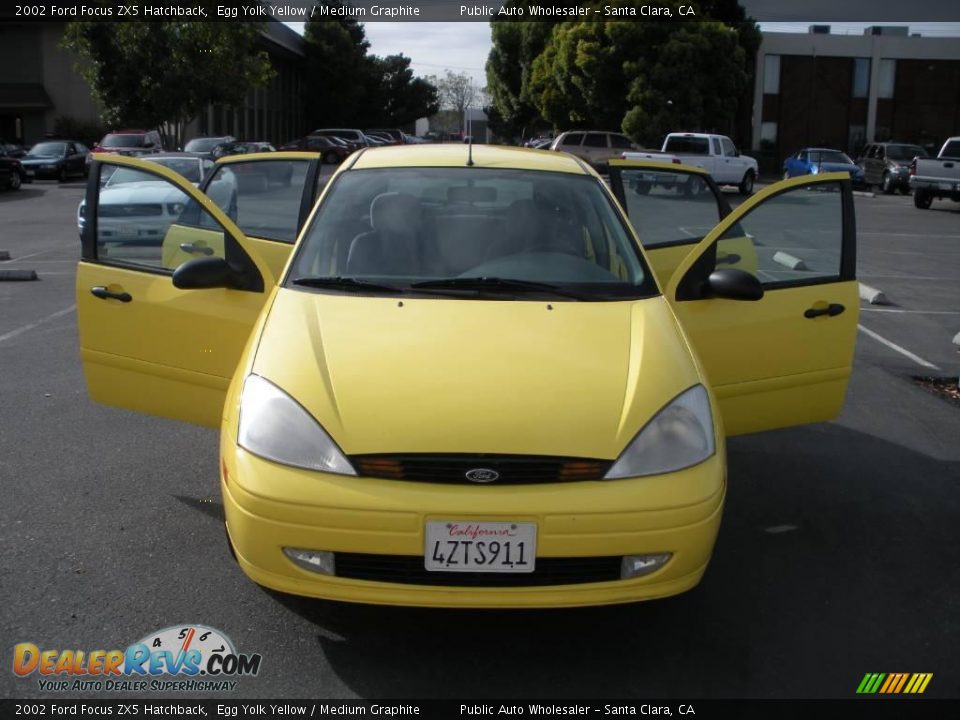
column 466, row 386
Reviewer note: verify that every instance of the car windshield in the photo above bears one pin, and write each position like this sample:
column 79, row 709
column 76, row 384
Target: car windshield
column 453, row 226
column 188, row 167
column 829, row 156
column 905, row 152
column 48, row 149
column 202, row 144
column 123, row 141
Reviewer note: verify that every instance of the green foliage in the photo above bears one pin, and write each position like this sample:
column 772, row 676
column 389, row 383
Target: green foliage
column 71, row 128
column 346, row 87
column 646, row 78
column 147, row 74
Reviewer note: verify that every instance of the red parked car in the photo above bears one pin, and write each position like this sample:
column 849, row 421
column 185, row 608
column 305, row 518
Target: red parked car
column 134, row 143
column 331, row 151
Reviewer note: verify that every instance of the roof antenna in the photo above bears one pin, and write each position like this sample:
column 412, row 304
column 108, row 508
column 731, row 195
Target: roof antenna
column 469, row 127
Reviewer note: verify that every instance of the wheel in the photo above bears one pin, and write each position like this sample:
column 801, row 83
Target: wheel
column 886, row 185
column 692, row 187
column 746, row 185
column 14, row 181
column 62, row 175
column 642, row 188
column 331, row 158
column 922, row 200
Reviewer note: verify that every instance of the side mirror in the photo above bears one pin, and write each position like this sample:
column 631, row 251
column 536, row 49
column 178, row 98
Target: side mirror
column 731, row 284
column 205, row 273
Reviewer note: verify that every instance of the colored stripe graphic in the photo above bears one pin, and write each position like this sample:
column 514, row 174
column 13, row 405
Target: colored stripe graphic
column 894, row 683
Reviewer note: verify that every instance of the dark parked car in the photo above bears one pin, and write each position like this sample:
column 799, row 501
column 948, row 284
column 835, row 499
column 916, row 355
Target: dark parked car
column 206, row 145
column 12, row 149
column 888, row 165
column 395, row 134
column 132, row 143
column 12, row 173
column 332, row 150
column 56, row 159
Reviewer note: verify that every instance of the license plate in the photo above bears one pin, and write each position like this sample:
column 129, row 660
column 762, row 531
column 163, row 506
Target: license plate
column 31, row 173
column 946, row 186
column 493, row 547
column 128, row 230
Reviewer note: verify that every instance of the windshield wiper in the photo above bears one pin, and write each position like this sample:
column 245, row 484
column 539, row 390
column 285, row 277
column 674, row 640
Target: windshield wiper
column 496, row 284
column 343, row 283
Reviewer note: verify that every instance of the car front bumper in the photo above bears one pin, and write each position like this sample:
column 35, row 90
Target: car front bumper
column 269, row 507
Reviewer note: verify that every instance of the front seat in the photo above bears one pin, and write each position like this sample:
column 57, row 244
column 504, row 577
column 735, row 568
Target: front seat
column 393, row 246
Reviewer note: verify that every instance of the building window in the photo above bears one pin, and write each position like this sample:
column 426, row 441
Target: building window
column 768, row 135
column 861, row 77
column 771, row 74
column 856, row 139
column 886, row 76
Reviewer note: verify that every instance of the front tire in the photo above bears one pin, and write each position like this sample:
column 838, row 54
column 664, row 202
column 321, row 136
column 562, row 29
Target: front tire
column 62, row 175
column 746, row 185
column 14, row 181
column 922, row 200
column 886, row 185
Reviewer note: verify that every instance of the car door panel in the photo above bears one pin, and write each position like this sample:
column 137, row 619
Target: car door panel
column 145, row 344
column 784, row 359
column 672, row 207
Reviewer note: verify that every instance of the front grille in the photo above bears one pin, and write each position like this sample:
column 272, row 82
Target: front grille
column 510, row 469
column 409, row 570
column 130, row 210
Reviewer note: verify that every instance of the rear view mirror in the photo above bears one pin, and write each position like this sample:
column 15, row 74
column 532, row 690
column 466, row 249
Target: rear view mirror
column 734, row 284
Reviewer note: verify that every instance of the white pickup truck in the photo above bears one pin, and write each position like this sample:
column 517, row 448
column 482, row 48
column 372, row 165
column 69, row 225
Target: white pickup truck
column 717, row 155
column 937, row 177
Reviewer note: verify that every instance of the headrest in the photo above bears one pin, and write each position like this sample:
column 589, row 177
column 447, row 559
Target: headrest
column 395, row 211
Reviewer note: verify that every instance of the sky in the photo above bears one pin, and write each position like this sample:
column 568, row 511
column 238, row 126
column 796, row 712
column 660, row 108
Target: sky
column 462, row 47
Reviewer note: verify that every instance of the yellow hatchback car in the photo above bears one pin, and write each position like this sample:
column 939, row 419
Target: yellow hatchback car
column 460, row 378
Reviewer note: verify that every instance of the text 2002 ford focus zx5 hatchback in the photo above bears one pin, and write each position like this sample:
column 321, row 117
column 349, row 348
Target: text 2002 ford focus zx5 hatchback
column 478, row 378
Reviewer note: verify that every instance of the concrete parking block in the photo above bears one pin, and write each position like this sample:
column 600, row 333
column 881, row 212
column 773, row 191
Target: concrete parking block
column 790, row 261
column 872, row 295
column 864, row 193
column 4, row 255
column 18, row 275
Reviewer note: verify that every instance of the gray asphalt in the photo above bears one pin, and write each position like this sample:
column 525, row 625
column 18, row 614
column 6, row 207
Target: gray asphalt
column 839, row 552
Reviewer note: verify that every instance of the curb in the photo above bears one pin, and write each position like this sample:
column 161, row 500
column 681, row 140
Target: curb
column 864, row 193
column 790, row 261
column 18, row 275
column 872, row 295
column 4, row 254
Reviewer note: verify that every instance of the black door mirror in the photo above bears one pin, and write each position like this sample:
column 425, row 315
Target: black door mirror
column 205, row 273
column 734, row 284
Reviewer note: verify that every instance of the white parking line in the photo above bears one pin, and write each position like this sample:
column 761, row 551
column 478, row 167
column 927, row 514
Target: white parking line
column 38, row 323
column 903, row 351
column 24, row 257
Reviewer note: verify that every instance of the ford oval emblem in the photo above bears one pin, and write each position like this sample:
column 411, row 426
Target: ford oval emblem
column 481, row 475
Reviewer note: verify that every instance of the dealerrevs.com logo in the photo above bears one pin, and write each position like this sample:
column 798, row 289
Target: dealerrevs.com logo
column 182, row 658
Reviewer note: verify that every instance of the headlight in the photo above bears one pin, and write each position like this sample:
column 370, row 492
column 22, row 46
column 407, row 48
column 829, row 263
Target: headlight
column 276, row 427
column 678, row 436
column 175, row 208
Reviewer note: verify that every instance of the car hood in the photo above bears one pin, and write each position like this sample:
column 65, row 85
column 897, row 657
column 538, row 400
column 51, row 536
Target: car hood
column 40, row 159
column 141, row 192
column 381, row 375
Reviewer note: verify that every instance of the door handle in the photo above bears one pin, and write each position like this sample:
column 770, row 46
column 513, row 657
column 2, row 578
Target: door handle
column 832, row 310
column 104, row 294
column 196, row 249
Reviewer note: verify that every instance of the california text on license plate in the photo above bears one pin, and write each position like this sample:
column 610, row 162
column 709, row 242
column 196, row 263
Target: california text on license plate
column 495, row 547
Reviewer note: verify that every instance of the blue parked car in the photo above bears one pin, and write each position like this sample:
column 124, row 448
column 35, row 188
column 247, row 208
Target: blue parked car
column 811, row 161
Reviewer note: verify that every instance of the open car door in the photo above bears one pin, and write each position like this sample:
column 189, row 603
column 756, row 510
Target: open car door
column 672, row 207
column 147, row 344
column 267, row 195
column 776, row 343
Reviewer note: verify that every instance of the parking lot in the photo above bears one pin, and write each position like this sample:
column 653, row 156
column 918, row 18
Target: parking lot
column 838, row 554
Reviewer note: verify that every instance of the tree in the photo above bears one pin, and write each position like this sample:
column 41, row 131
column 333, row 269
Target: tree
column 457, row 92
column 163, row 74
column 402, row 98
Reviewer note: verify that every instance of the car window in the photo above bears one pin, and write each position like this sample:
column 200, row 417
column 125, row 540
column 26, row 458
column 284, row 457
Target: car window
column 951, row 149
column 595, row 140
column 797, row 235
column 669, row 208
column 802, row 156
column 188, row 167
column 881, row 152
column 904, row 152
column 716, row 146
column 572, row 139
column 688, row 145
column 145, row 221
column 620, row 142
column 829, row 156
column 729, row 149
column 416, row 224
column 48, row 149
column 124, row 141
column 261, row 196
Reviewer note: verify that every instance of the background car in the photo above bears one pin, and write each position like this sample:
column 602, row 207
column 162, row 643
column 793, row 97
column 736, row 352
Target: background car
column 356, row 137
column 56, row 159
column 133, row 143
column 398, row 136
column 811, row 161
column 12, row 149
column 205, row 145
column 888, row 165
column 332, row 150
column 12, row 173
column 596, row 147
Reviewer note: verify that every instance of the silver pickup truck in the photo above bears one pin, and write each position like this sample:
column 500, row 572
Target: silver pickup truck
column 937, row 177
